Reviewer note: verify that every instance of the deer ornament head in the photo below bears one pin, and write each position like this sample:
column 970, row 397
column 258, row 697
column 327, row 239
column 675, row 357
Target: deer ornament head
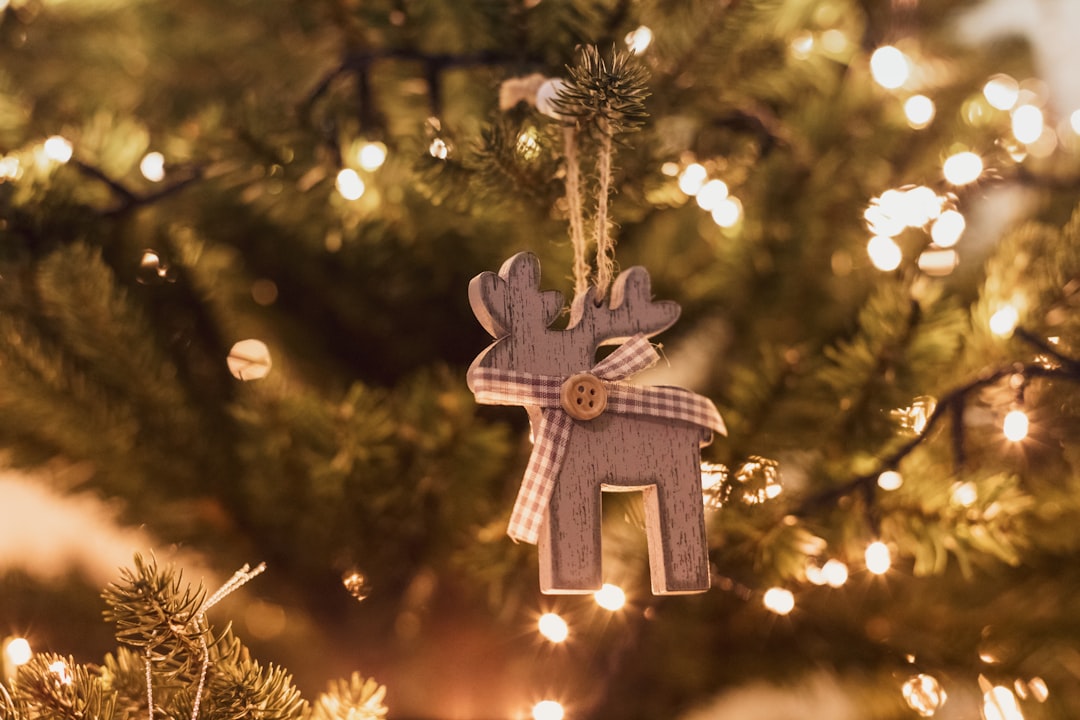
column 593, row 432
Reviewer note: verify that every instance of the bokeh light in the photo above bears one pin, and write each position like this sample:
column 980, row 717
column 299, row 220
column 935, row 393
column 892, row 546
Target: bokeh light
column 878, row 558
column 779, row 600
column 349, row 184
column 885, row 254
column 610, row 597
column 963, row 168
column 58, row 148
column 152, row 166
column 1002, row 92
column 890, row 67
column 1015, row 426
column 1004, row 320
column 548, row 710
column 553, row 627
column 919, row 111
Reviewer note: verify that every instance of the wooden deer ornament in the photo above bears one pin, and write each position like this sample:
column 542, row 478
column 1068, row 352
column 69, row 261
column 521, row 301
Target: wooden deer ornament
column 593, row 432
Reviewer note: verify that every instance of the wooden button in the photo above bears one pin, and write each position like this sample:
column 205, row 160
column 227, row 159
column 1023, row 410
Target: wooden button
column 583, row 396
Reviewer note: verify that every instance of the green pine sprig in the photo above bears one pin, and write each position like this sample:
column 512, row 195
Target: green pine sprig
column 605, row 94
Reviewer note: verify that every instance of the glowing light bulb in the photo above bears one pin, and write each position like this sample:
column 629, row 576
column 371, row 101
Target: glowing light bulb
column 889, row 67
column 1004, row 321
column 711, row 194
column 802, row 45
column 885, row 254
column 9, row 167
column 835, row 573
column 1015, row 425
column 779, row 600
column 1074, row 121
column 553, row 627
column 152, row 166
column 1027, row 123
column 963, row 168
column 924, row 694
column 918, row 206
column 890, row 480
column 548, row 710
column 372, row 155
column 438, row 149
column 610, row 597
column 999, row 703
column 61, row 670
column 692, row 178
column 965, row 494
column 1002, row 92
column 919, row 111
column 728, row 212
column 18, row 651
column 947, row 229
column 638, row 41
column 349, row 184
column 58, row 148
column 878, row 558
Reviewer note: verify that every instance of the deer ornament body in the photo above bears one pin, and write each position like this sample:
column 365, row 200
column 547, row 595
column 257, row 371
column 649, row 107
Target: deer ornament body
column 593, row 432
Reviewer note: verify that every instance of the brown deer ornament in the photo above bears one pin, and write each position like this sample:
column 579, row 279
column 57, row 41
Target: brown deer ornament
column 592, row 432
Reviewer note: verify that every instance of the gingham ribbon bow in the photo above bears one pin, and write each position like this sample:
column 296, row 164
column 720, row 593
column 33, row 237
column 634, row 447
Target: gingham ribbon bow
column 505, row 387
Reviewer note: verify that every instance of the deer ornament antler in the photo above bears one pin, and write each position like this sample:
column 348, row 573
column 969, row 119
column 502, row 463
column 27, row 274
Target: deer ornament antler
column 592, row 431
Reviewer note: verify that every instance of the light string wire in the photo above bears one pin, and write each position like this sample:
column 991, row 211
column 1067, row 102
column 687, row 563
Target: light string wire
column 240, row 578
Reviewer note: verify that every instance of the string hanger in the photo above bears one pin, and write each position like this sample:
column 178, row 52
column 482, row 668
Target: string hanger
column 601, row 98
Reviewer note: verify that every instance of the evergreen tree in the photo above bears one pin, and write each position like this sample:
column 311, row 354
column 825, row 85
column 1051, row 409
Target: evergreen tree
column 326, row 176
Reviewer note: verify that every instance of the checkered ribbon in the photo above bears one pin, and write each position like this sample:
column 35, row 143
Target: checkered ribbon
column 506, row 387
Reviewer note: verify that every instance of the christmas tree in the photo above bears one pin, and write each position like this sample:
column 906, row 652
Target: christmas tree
column 236, row 242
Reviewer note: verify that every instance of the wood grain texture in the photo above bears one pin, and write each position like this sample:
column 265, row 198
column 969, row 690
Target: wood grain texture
column 612, row 452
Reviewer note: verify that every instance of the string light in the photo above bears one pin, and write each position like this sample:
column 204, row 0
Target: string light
column 553, row 627
column 9, row 168
column 963, row 168
column 1027, row 123
column 835, row 573
column 371, row 156
column 152, row 166
column 947, row 229
column 1015, row 425
column 878, row 558
column 885, row 254
column 924, row 694
column 60, row 669
column 889, row 67
column 438, row 149
column 999, row 703
column 779, row 600
column 711, row 194
column 890, row 480
column 692, row 178
column 938, row 262
column 802, row 45
column 17, row 651
column 638, row 41
column 58, row 149
column 965, row 494
column 349, row 184
column 610, row 597
column 1002, row 92
column 528, row 147
column 919, row 111
column 548, row 710
column 1074, row 121
column 1003, row 322
column 1035, row 687
column 728, row 212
